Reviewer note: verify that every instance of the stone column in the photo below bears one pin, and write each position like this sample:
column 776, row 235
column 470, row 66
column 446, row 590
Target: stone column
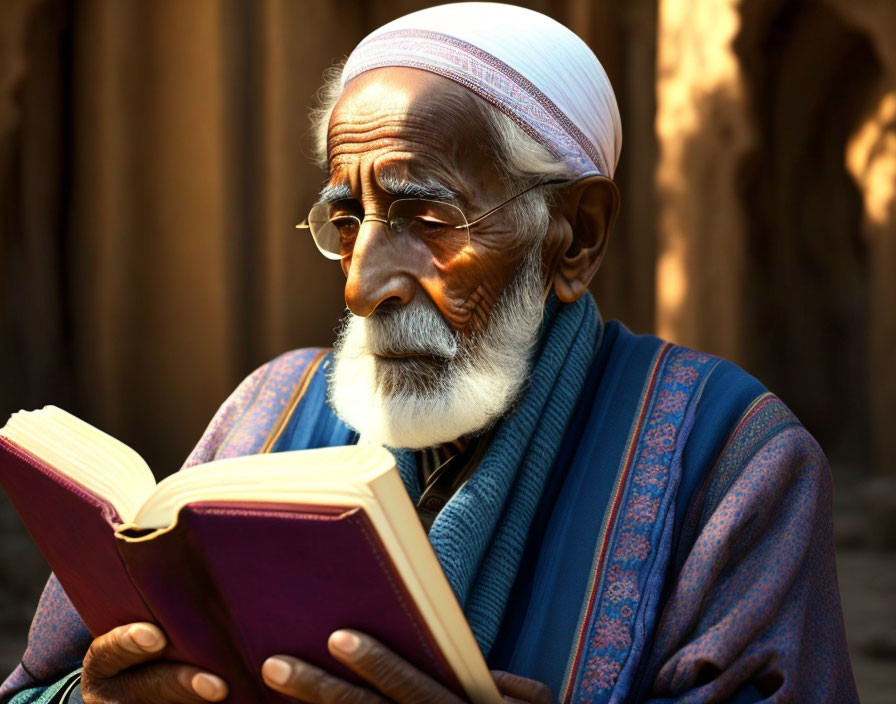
column 152, row 266
column 300, row 293
column 703, row 130
column 871, row 159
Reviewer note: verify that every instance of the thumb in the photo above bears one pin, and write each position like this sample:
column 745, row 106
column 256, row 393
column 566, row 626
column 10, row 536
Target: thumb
column 123, row 647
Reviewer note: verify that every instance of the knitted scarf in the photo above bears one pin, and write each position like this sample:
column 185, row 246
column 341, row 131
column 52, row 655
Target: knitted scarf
column 480, row 534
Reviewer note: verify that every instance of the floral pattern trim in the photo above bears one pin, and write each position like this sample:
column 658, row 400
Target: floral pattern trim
column 600, row 552
column 635, row 524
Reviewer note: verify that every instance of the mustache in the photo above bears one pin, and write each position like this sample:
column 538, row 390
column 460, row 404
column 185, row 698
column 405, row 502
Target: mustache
column 413, row 329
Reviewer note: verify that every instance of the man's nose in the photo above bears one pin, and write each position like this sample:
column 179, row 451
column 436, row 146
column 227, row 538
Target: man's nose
column 378, row 271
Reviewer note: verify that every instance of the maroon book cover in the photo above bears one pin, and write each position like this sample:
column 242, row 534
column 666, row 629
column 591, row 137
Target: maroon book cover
column 230, row 584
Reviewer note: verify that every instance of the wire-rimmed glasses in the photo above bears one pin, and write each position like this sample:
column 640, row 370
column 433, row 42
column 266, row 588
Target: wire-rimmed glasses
column 440, row 225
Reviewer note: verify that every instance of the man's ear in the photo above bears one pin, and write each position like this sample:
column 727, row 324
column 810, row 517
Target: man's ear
column 577, row 237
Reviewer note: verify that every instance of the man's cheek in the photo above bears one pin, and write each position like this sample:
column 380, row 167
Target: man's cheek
column 467, row 311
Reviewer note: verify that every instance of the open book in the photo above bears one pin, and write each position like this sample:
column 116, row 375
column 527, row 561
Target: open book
column 242, row 558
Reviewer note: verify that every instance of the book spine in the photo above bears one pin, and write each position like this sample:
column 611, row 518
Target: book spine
column 172, row 576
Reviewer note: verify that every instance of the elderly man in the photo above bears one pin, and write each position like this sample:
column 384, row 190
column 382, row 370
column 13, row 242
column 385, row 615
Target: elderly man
column 621, row 519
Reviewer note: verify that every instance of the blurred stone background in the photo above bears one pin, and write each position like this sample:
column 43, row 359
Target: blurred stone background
column 154, row 157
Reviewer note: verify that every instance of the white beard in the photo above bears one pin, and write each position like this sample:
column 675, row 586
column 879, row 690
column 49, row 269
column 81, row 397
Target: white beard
column 463, row 387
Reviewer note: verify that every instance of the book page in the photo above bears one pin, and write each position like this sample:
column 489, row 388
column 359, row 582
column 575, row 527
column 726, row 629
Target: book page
column 95, row 460
column 325, row 476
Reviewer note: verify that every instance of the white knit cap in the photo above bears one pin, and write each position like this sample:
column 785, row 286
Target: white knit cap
column 526, row 64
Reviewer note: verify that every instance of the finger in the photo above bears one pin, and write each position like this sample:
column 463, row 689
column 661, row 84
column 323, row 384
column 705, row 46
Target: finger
column 123, row 647
column 182, row 684
column 304, row 681
column 386, row 671
column 533, row 691
column 164, row 682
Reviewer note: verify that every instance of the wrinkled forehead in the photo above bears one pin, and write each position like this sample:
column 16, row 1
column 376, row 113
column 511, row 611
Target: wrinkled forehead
column 409, row 94
column 408, row 119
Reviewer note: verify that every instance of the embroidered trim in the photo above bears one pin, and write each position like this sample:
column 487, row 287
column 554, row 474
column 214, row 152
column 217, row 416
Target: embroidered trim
column 585, row 618
column 765, row 418
column 602, row 653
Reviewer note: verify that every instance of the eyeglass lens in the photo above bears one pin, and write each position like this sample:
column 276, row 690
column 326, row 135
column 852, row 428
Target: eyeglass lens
column 442, row 227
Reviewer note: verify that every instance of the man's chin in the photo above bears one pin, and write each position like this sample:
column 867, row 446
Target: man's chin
column 397, row 375
column 410, row 402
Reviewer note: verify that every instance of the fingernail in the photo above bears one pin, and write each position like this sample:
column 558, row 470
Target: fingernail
column 345, row 641
column 208, row 686
column 276, row 670
column 145, row 637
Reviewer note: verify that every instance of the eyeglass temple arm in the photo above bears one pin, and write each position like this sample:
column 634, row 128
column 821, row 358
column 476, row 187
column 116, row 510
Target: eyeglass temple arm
column 549, row 182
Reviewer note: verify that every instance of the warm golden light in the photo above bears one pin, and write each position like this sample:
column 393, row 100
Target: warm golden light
column 703, row 130
column 672, row 281
column 696, row 59
column 871, row 159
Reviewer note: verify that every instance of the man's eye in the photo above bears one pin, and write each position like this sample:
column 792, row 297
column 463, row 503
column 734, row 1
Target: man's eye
column 347, row 226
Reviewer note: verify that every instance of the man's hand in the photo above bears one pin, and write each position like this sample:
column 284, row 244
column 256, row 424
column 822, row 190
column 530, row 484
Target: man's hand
column 123, row 666
column 392, row 678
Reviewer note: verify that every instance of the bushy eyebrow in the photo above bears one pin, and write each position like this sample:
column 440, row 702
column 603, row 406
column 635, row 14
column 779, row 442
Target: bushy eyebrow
column 398, row 187
column 331, row 193
column 404, row 188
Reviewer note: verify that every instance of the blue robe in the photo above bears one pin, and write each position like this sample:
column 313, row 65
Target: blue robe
column 649, row 524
